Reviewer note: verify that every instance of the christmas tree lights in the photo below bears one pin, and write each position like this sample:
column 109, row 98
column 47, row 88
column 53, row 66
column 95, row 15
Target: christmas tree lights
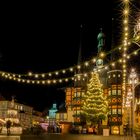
column 95, row 105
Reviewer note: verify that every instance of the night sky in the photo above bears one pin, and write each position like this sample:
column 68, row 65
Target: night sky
column 47, row 38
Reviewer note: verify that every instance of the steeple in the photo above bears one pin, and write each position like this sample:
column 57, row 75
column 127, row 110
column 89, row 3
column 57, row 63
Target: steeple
column 78, row 81
column 101, row 41
column 100, row 46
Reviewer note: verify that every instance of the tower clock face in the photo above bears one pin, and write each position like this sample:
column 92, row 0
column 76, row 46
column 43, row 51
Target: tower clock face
column 99, row 62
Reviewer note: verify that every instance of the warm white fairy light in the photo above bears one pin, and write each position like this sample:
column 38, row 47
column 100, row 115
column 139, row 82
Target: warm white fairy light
column 31, row 80
column 64, row 71
column 54, row 81
column 113, row 64
column 50, row 74
column 30, row 73
column 78, row 67
column 28, row 81
column 71, row 69
column 36, row 76
column 85, row 74
column 43, row 75
column 94, row 60
column 43, row 82
column 86, row 63
column 56, row 72
column 48, row 81
column 125, row 45
column 66, row 79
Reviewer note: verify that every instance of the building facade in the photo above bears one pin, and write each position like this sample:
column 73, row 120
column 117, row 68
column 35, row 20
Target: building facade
column 115, row 101
column 18, row 114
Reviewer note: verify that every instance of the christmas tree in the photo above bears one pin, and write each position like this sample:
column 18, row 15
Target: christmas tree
column 95, row 105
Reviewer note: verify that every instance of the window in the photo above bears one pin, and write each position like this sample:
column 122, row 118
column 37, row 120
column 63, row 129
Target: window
column 113, row 92
column 78, row 111
column 114, row 111
column 68, row 92
column 61, row 116
column 21, row 107
column 109, row 112
column 77, row 94
column 68, row 98
column 109, row 93
column 119, row 111
column 119, row 92
column 82, row 94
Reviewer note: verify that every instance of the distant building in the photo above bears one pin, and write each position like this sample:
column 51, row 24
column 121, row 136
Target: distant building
column 52, row 114
column 61, row 115
column 52, row 111
column 19, row 114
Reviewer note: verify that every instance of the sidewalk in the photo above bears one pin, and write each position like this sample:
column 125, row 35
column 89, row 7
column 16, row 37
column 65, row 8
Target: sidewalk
column 5, row 137
column 64, row 137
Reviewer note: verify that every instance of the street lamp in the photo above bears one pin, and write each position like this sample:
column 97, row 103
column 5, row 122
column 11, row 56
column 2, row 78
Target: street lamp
column 133, row 81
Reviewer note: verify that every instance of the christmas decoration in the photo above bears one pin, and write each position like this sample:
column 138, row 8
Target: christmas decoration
column 95, row 106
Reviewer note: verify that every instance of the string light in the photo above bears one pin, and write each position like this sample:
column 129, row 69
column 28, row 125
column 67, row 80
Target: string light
column 14, row 77
column 125, row 45
column 64, row 71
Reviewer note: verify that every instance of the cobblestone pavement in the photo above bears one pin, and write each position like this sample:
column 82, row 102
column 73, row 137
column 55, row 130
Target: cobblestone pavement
column 65, row 137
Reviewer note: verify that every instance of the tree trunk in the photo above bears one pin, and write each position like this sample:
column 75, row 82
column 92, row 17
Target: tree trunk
column 100, row 131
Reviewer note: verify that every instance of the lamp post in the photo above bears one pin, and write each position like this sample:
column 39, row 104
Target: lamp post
column 133, row 81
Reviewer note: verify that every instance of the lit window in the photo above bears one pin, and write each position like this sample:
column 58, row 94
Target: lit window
column 114, row 75
column 113, row 92
column 109, row 112
column 77, row 94
column 78, row 111
column 82, row 94
column 119, row 92
column 114, row 111
column 109, row 93
column 61, row 116
column 119, row 111
column 21, row 107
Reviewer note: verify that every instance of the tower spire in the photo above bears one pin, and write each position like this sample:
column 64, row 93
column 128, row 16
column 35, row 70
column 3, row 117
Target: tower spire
column 101, row 40
column 78, row 71
column 101, row 45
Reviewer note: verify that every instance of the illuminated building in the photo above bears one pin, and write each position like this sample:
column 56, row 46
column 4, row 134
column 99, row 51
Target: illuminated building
column 52, row 114
column 17, row 113
column 115, row 101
